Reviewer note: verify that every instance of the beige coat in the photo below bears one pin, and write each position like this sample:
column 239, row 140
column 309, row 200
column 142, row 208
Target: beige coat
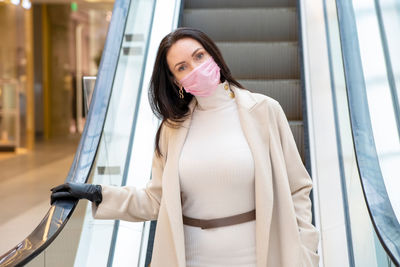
column 285, row 236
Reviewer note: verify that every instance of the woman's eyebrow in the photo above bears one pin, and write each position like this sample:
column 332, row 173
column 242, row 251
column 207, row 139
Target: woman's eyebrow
column 194, row 52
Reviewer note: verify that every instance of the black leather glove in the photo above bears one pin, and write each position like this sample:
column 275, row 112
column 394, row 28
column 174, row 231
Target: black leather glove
column 75, row 191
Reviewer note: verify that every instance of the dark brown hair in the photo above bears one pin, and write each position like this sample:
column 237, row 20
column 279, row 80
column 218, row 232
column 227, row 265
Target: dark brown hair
column 164, row 93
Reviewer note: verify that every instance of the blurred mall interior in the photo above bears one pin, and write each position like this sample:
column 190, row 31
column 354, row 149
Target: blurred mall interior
column 74, row 78
column 46, row 49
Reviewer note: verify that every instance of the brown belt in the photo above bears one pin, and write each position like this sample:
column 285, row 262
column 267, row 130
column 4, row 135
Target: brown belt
column 225, row 221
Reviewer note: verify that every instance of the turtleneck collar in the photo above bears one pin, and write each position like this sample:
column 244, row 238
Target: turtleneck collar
column 219, row 98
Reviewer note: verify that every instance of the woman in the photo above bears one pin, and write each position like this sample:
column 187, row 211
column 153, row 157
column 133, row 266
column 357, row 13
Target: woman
column 228, row 186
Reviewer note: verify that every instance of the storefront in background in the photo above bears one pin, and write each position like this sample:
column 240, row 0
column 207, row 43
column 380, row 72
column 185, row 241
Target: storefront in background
column 45, row 50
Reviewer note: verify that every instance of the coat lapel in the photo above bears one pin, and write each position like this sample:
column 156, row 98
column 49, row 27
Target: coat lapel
column 258, row 141
column 263, row 181
column 171, row 191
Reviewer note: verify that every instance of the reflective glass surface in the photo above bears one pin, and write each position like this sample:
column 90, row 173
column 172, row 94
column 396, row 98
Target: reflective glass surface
column 389, row 11
column 85, row 241
column 364, row 247
column 377, row 71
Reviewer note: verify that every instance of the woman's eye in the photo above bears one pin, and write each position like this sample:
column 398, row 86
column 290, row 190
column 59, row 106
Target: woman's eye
column 200, row 55
column 181, row 68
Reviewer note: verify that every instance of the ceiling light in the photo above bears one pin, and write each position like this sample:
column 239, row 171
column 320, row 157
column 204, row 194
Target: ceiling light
column 26, row 4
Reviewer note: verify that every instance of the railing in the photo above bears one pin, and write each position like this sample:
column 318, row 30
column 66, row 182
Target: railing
column 58, row 215
column 373, row 108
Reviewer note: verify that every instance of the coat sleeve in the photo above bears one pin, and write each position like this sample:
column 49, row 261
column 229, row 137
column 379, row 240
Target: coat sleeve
column 134, row 204
column 300, row 186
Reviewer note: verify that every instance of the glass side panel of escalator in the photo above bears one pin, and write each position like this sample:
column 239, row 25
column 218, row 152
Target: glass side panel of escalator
column 365, row 248
column 85, row 241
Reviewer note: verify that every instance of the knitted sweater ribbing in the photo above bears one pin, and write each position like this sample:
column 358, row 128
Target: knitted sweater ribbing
column 216, row 170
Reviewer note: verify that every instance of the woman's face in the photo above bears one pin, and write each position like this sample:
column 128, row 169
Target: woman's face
column 185, row 55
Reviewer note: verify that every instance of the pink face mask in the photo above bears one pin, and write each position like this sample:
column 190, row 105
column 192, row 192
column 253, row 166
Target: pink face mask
column 202, row 80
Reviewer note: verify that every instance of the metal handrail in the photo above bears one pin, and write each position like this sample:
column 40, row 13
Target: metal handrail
column 376, row 197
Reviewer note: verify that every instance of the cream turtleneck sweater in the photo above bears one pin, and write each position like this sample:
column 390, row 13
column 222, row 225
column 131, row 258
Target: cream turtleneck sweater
column 216, row 170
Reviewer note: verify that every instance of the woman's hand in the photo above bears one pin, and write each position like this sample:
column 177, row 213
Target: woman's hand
column 75, row 191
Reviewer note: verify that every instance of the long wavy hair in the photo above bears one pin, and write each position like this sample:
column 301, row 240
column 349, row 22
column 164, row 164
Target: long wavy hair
column 164, row 93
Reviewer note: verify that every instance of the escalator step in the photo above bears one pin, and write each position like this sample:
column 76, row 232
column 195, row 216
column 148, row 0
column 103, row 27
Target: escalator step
column 238, row 3
column 286, row 92
column 255, row 24
column 298, row 134
column 261, row 60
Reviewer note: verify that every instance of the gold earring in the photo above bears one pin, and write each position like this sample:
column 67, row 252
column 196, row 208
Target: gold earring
column 181, row 93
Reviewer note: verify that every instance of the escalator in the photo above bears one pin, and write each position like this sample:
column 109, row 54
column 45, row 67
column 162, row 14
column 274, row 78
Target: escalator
column 300, row 53
column 259, row 42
